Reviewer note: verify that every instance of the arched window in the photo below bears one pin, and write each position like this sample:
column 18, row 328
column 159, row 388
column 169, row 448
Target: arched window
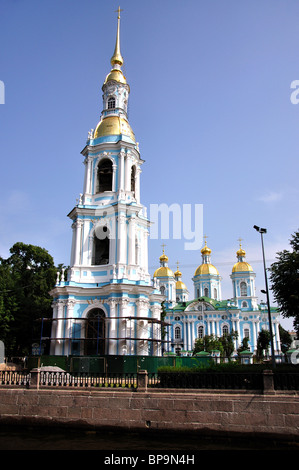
column 133, row 175
column 243, row 288
column 197, row 292
column 244, row 304
column 104, row 180
column 162, row 290
column 101, row 245
column 215, row 293
column 95, row 333
column 246, row 333
column 200, row 331
column 224, row 330
column 206, row 292
column 177, row 332
column 111, row 103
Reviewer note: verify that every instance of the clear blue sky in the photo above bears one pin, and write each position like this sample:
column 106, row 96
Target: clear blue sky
column 210, row 106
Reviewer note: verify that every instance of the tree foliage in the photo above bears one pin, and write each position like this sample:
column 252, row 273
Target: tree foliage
column 26, row 278
column 284, row 277
column 210, row 343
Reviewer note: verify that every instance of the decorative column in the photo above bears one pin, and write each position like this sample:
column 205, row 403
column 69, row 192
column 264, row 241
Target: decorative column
column 53, row 329
column 78, row 228
column 122, row 240
column 112, row 345
column 121, row 167
column 69, row 324
column 131, row 241
column 87, row 180
column 60, row 323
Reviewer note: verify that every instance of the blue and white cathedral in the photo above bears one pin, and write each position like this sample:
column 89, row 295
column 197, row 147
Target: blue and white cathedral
column 207, row 313
column 109, row 304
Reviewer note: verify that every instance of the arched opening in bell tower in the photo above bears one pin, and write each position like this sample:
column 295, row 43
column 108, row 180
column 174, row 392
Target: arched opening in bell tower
column 95, row 333
column 133, row 177
column 104, row 177
column 101, row 246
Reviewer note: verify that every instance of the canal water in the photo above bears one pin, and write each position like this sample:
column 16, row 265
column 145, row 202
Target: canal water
column 31, row 438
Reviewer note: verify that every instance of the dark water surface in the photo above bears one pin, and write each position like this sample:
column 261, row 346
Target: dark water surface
column 31, row 438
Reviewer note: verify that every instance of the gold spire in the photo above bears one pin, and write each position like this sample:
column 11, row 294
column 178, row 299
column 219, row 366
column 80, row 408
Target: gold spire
column 117, row 57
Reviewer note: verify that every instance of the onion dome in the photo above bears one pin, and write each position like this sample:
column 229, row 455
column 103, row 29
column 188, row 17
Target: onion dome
column 164, row 270
column 241, row 265
column 179, row 283
column 206, row 267
column 113, row 125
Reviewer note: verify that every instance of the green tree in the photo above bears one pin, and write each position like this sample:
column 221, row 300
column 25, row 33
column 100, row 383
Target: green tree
column 208, row 343
column 285, row 339
column 227, row 342
column 284, row 277
column 31, row 274
column 263, row 342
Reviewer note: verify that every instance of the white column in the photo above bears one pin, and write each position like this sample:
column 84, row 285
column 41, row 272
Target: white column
column 131, row 241
column 77, row 257
column 113, row 328
column 137, row 185
column 114, row 166
column 122, row 239
column 128, row 167
column 121, row 172
column 60, row 323
column 69, row 325
column 53, row 329
column 88, row 173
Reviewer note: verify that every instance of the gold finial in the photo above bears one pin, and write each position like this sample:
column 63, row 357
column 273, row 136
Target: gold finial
column 117, row 59
column 240, row 251
column 205, row 237
column 163, row 246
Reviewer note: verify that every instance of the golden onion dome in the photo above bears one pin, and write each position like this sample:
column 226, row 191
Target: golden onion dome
column 113, row 125
column 206, row 268
column 180, row 285
column 163, row 258
column 206, row 250
column 178, row 273
column 241, row 252
column 163, row 271
column 116, row 75
column 241, row 266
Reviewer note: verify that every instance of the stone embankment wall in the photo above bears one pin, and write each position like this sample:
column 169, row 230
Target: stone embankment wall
column 228, row 413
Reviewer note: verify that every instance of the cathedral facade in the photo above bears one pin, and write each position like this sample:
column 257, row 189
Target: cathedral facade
column 207, row 313
column 108, row 304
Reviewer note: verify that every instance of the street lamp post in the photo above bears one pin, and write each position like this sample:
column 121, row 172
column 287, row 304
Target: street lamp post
column 262, row 231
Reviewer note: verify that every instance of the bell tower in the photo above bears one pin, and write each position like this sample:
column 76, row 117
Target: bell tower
column 108, row 277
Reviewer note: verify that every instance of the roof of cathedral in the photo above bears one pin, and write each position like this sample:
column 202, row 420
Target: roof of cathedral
column 163, row 271
column 113, row 125
column 206, row 268
column 241, row 266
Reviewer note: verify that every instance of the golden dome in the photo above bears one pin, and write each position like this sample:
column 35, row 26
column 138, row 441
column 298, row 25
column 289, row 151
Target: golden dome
column 205, row 250
column 241, row 252
column 180, row 285
column 116, row 75
column 242, row 266
column 163, row 271
column 206, row 268
column 178, row 273
column 113, row 125
column 163, row 258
